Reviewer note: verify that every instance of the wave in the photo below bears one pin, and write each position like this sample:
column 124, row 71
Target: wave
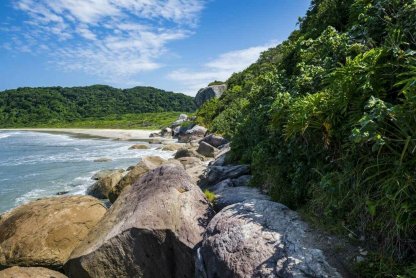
column 3, row 136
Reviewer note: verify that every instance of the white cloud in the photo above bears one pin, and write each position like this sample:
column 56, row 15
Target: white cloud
column 112, row 39
column 220, row 68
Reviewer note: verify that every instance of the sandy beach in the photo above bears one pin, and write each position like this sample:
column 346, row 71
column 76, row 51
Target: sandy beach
column 117, row 134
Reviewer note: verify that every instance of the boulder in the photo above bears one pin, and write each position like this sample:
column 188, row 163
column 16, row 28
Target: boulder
column 227, row 194
column 197, row 173
column 216, row 174
column 208, row 93
column 259, row 238
column 221, row 156
column 194, row 133
column 176, row 131
column 183, row 117
column 104, row 173
column 172, row 147
column 102, row 159
column 30, row 272
column 215, row 141
column 139, row 147
column 150, row 231
column 44, row 232
column 104, row 185
column 166, row 132
column 186, row 152
column 207, row 150
column 145, row 165
column 189, row 162
column 155, row 134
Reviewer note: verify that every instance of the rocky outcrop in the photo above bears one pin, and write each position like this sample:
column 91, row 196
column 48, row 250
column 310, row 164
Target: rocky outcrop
column 150, row 231
column 145, row 165
column 214, row 140
column 215, row 174
column 259, row 238
column 105, row 184
column 44, row 232
column 30, row 272
column 208, row 93
column 189, row 134
column 139, row 147
column 207, row 150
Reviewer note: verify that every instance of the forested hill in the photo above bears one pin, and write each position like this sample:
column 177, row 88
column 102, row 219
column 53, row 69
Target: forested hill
column 33, row 106
column 327, row 120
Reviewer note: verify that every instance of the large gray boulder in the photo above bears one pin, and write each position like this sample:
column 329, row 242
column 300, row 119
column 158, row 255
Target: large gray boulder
column 215, row 174
column 150, row 231
column 233, row 191
column 259, row 238
column 197, row 132
column 208, row 93
column 214, row 140
column 207, row 150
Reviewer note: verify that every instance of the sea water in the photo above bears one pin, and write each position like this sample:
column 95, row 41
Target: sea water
column 35, row 165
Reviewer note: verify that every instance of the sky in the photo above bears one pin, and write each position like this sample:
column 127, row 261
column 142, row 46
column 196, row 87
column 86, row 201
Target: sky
column 175, row 45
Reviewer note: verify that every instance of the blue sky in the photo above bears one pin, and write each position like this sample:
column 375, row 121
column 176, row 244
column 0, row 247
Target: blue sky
column 176, row 45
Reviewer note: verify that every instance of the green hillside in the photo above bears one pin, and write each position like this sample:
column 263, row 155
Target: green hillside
column 56, row 106
column 327, row 119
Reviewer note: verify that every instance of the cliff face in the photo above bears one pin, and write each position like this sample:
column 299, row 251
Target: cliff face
column 210, row 92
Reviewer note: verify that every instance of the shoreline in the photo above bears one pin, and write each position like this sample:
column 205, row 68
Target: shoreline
column 115, row 134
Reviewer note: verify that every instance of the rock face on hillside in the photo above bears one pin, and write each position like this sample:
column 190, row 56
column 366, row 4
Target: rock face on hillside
column 150, row 231
column 259, row 238
column 208, row 93
column 44, row 232
column 30, row 272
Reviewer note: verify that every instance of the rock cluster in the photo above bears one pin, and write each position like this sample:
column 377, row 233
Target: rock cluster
column 162, row 225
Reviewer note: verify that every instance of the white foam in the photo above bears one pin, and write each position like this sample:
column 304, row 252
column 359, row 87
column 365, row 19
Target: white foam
column 30, row 196
column 2, row 136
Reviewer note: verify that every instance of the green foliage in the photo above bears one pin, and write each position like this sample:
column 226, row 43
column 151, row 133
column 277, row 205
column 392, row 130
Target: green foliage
column 150, row 121
column 216, row 82
column 53, row 106
column 327, row 121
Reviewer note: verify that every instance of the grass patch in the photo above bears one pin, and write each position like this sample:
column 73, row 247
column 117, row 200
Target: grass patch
column 147, row 121
column 211, row 197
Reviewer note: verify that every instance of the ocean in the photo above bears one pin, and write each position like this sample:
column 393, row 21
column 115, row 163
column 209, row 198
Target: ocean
column 35, row 165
